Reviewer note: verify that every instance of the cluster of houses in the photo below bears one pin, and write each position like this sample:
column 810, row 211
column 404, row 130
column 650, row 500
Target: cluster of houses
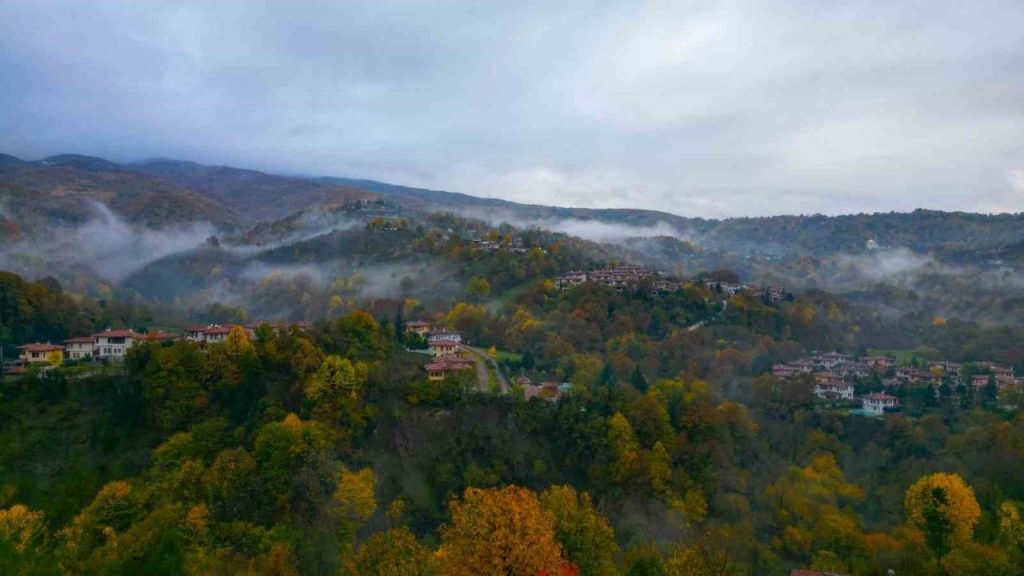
column 449, row 355
column 114, row 344
column 773, row 293
column 835, row 373
column 515, row 246
column 618, row 278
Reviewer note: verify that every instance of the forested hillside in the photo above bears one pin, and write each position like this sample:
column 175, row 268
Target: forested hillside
column 328, row 451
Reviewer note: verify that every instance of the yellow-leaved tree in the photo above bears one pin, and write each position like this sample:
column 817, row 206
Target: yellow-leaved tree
column 499, row 532
column 353, row 501
column 943, row 507
column 21, row 528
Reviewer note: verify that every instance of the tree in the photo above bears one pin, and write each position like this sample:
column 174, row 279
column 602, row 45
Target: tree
column 479, row 288
column 811, row 505
column 637, row 379
column 943, row 507
column 395, row 552
column 499, row 532
column 21, row 528
column 587, row 536
column 336, row 377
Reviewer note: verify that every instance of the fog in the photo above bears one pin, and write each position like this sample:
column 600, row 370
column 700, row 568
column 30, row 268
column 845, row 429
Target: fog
column 594, row 230
column 106, row 245
column 889, row 264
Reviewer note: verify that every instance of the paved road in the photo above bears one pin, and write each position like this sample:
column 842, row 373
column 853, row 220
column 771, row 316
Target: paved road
column 481, row 371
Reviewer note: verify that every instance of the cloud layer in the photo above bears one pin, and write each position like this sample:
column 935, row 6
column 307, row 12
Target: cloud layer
column 698, row 108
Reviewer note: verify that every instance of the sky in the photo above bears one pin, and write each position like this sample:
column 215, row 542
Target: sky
column 699, row 108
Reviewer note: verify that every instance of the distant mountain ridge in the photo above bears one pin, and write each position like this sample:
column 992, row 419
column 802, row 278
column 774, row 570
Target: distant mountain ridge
column 157, row 191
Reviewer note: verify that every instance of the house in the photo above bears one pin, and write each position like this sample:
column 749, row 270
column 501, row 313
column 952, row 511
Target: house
column 833, row 390
column 41, row 353
column 980, row 380
column 617, row 278
column 419, row 327
column 440, row 367
column 80, row 348
column 785, row 370
column 216, row 334
column 160, row 336
column 195, row 333
column 830, row 378
column 444, row 335
column 571, row 279
column 443, row 347
column 209, row 334
column 879, row 402
column 114, row 344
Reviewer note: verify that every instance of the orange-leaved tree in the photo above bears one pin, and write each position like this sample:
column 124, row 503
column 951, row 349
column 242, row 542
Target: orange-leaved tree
column 499, row 532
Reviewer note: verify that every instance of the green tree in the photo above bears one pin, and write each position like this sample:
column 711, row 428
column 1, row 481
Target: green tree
column 587, row 536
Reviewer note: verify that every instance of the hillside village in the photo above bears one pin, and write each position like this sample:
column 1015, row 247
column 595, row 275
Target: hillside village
column 836, row 376
column 112, row 345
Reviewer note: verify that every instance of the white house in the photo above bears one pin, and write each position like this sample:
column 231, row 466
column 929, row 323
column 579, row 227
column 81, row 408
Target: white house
column 834, row 390
column 114, row 344
column 444, row 335
column 217, row 334
column 878, row 402
column 212, row 333
column 444, row 347
column 80, row 348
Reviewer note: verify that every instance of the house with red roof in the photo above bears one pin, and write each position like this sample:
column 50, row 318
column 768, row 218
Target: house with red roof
column 444, row 347
column 114, row 344
column 39, row 353
column 420, row 327
column 209, row 334
column 439, row 368
column 80, row 348
column 879, row 402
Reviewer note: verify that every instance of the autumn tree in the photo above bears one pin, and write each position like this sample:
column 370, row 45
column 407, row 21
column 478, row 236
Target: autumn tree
column 395, row 552
column 499, row 532
column 479, row 288
column 943, row 507
column 353, row 501
column 23, row 542
column 810, row 503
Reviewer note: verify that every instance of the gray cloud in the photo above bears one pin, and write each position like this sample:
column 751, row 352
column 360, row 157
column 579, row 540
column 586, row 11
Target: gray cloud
column 105, row 244
column 698, row 108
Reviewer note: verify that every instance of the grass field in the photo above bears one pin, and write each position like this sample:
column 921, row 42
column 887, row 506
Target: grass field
column 901, row 356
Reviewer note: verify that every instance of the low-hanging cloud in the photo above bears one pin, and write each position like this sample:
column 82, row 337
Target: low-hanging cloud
column 107, row 245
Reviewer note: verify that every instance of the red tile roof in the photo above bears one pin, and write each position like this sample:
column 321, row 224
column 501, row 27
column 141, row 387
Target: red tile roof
column 37, row 347
column 120, row 333
column 448, row 363
column 81, row 340
column 439, row 343
column 880, row 396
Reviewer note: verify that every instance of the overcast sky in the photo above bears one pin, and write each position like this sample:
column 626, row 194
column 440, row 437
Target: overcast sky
column 697, row 108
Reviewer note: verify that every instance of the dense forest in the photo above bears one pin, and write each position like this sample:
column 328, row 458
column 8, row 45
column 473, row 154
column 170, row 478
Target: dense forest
column 328, row 451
